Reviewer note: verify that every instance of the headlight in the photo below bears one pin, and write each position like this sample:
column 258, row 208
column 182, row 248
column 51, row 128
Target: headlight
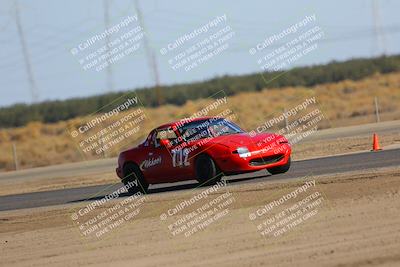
column 243, row 152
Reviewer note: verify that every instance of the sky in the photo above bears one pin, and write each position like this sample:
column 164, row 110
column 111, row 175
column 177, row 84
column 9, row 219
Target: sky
column 52, row 28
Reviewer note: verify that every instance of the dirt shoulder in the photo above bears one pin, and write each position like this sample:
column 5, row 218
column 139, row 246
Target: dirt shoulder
column 356, row 224
column 338, row 146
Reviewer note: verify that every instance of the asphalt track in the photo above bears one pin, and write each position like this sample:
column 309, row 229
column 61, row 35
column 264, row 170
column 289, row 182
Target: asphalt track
column 109, row 164
column 299, row 169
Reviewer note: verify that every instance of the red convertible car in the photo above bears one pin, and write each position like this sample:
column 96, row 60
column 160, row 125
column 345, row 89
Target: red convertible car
column 204, row 149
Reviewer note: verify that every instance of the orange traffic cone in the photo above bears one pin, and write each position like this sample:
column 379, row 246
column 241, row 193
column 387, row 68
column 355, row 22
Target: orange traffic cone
column 375, row 144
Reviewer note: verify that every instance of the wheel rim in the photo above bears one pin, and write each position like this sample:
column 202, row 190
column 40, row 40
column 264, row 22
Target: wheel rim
column 130, row 175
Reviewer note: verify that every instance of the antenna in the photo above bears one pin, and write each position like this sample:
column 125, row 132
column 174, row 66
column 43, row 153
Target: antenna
column 34, row 91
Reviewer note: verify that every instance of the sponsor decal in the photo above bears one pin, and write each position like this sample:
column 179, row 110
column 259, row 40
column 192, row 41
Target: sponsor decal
column 150, row 163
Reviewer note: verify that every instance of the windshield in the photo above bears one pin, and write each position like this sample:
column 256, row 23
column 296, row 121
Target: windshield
column 208, row 128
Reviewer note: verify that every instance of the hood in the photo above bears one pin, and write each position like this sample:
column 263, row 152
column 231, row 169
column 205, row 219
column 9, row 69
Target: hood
column 244, row 139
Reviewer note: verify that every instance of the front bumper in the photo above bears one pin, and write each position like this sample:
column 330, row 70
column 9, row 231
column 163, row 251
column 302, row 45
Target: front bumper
column 258, row 160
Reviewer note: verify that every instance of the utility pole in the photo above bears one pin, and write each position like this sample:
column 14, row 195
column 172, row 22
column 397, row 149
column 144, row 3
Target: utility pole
column 286, row 119
column 14, row 149
column 379, row 34
column 150, row 56
column 109, row 78
column 32, row 83
column 378, row 118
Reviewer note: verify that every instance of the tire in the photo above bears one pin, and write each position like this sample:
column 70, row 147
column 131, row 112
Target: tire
column 131, row 173
column 280, row 169
column 207, row 172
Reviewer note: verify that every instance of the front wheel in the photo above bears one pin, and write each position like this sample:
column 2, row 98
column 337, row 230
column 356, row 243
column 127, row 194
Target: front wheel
column 133, row 179
column 280, row 169
column 207, row 172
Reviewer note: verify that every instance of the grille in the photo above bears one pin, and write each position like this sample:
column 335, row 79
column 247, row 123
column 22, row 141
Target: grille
column 266, row 160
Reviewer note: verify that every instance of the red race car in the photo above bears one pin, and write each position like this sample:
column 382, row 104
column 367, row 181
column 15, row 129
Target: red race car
column 204, row 149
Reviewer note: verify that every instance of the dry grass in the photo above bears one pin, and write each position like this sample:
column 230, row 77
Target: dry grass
column 344, row 103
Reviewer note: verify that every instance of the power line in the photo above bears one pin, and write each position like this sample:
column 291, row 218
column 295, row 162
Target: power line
column 150, row 56
column 34, row 91
column 379, row 34
column 109, row 73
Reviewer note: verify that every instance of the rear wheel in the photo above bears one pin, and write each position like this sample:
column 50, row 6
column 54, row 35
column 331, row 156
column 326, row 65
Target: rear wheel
column 132, row 173
column 280, row 169
column 207, row 171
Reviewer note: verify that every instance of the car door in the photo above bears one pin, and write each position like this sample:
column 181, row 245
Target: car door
column 159, row 165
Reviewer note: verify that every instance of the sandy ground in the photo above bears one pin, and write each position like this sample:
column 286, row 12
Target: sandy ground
column 356, row 224
column 300, row 151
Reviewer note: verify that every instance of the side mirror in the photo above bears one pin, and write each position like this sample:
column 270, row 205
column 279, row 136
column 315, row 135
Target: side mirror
column 165, row 143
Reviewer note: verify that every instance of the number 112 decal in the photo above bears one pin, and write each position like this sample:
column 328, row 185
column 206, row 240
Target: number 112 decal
column 180, row 157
